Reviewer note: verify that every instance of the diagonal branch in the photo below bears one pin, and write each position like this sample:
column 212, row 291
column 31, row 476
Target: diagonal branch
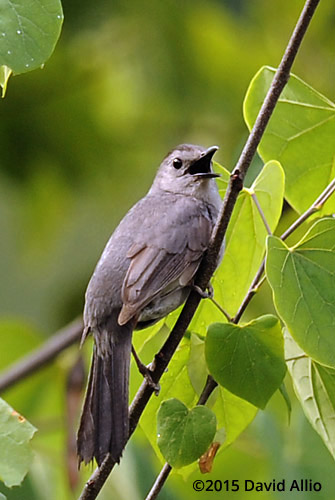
column 208, row 264
column 42, row 355
column 279, row 81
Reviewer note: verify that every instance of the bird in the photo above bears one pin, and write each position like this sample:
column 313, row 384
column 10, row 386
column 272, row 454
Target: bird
column 145, row 272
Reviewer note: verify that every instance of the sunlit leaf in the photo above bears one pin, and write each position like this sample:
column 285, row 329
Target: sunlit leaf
column 314, row 385
column 196, row 365
column 300, row 135
column 184, row 435
column 246, row 236
column 302, row 279
column 233, row 414
column 15, row 453
column 247, row 360
column 223, row 180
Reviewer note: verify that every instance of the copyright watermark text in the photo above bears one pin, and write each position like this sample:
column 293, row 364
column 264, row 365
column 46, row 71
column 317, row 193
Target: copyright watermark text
column 231, row 485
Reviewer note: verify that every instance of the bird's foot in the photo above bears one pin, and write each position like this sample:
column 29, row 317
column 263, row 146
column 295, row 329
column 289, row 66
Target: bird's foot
column 205, row 294
column 146, row 372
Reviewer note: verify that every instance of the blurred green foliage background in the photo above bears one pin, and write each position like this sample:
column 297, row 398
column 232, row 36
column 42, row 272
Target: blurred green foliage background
column 80, row 141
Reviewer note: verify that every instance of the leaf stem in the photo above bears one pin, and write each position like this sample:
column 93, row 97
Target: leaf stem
column 315, row 207
column 261, row 213
column 216, row 303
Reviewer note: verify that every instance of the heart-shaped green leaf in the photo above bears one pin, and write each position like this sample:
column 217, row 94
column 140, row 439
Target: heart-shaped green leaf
column 314, row 385
column 15, row 452
column 184, row 435
column 302, row 279
column 175, row 382
column 300, row 135
column 247, row 360
column 233, row 413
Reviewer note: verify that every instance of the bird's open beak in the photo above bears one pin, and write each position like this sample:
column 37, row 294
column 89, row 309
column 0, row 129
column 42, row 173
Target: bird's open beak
column 202, row 168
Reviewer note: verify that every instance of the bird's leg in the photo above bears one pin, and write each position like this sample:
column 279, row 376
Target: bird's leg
column 205, row 294
column 145, row 371
column 209, row 294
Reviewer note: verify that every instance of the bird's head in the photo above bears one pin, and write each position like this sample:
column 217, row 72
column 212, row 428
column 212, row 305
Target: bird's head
column 187, row 169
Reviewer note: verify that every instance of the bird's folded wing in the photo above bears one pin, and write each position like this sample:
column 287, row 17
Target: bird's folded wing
column 169, row 260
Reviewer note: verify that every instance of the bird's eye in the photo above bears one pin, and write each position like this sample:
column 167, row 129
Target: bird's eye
column 177, row 163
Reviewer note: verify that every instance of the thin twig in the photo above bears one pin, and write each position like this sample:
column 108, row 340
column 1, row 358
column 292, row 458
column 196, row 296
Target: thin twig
column 216, row 303
column 325, row 195
column 160, row 480
column 42, row 355
column 207, row 390
column 315, row 207
column 253, row 289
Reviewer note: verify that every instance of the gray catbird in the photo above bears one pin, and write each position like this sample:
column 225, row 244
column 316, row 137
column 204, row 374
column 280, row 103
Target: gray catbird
column 144, row 273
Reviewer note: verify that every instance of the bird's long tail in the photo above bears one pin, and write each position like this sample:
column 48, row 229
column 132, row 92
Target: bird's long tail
column 104, row 424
